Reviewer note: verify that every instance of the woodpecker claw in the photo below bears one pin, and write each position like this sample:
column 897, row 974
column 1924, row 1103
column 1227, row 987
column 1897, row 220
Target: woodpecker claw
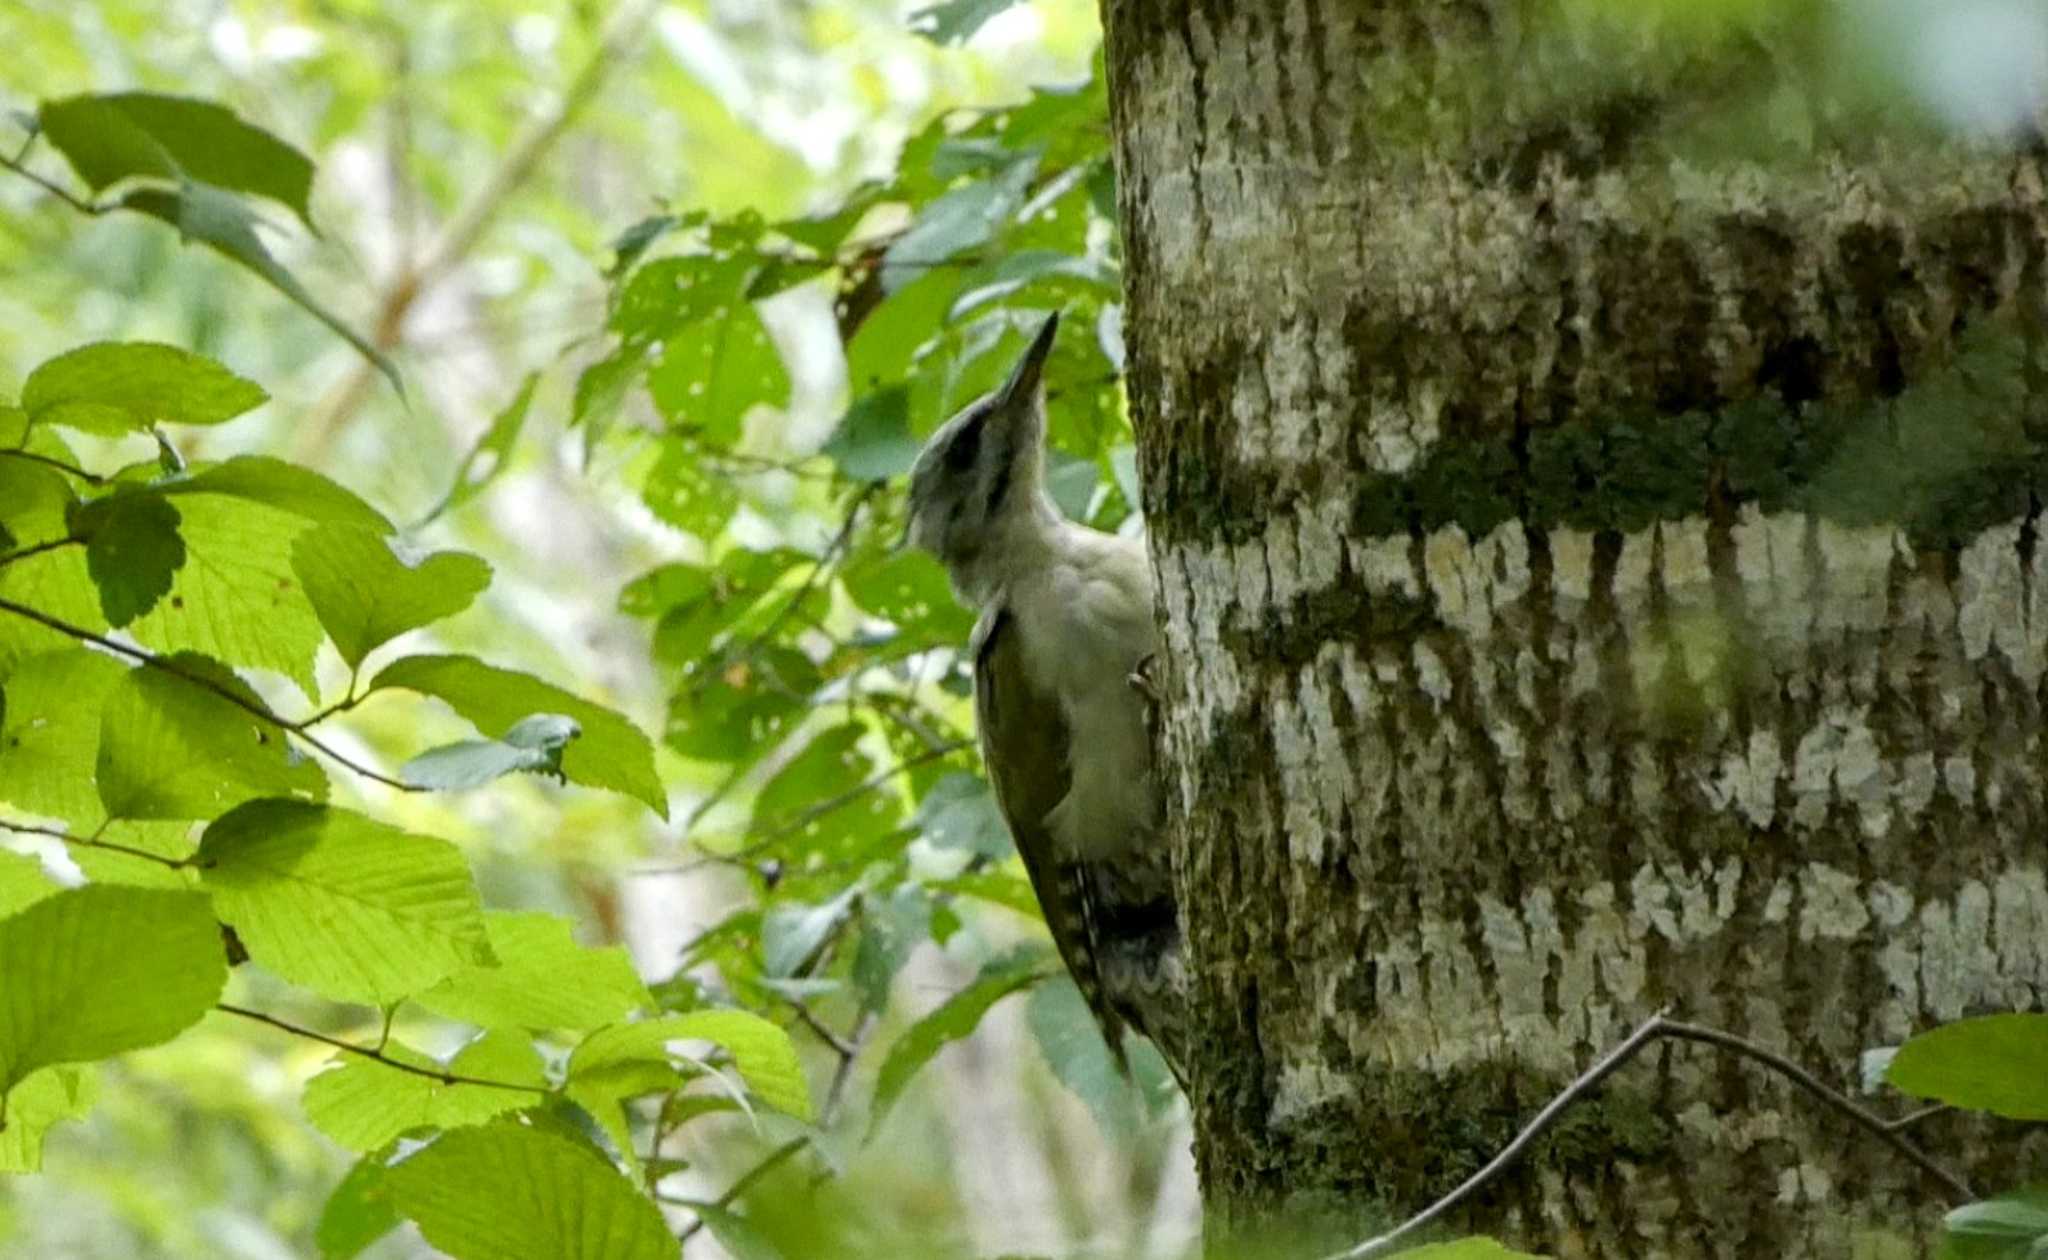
column 1141, row 681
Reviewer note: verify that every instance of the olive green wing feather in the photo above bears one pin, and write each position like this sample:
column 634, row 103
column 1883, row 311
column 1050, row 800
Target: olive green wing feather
column 1024, row 742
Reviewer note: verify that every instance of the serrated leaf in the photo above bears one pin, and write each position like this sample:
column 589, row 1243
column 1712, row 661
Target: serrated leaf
column 350, row 908
column 116, row 387
column 170, row 747
column 763, row 1053
column 960, row 812
column 544, row 979
column 204, row 213
column 957, row 1017
column 611, row 752
column 491, row 455
column 96, row 971
column 708, row 375
column 2010, row 1227
column 116, row 136
column 133, row 552
column 358, row 1212
column 50, row 735
column 504, row 1192
column 368, row 592
column 363, row 1104
column 873, row 442
column 1995, row 1063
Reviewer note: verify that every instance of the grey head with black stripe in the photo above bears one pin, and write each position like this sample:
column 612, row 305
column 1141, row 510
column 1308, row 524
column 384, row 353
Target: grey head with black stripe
column 979, row 483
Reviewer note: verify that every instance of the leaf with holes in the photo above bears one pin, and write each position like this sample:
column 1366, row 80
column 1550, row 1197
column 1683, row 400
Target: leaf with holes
column 350, row 908
column 709, row 374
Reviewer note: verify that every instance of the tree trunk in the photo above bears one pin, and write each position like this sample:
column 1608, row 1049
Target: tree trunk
column 1600, row 569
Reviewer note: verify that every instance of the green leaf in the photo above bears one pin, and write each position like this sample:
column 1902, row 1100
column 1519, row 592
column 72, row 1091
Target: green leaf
column 50, row 736
column 172, row 746
column 109, row 138
column 38, row 1104
column 911, row 589
column 505, row 1192
column 601, row 390
column 792, row 932
column 889, row 339
column 358, row 1212
column 368, row 592
column 533, row 744
column 956, row 1017
column 684, row 491
column 23, row 882
column 278, row 484
column 491, row 455
column 544, row 979
column 132, row 550
column 670, row 295
column 826, row 798
column 363, row 1104
column 998, row 888
column 116, row 387
column 873, row 441
column 763, row 1053
column 710, row 373
column 961, row 220
column 1074, row 1049
column 2010, row 1227
column 215, row 218
column 611, row 753
column 889, row 930
column 350, row 908
column 1995, row 1063
column 95, row 971
column 960, row 812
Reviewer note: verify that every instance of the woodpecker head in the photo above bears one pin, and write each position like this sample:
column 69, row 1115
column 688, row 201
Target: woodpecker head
column 984, row 466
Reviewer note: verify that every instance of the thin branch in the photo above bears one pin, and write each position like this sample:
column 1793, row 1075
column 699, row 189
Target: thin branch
column 378, row 1056
column 16, row 452
column 1655, row 1028
column 1911, row 1118
column 253, row 708
column 38, row 549
column 52, row 187
column 826, row 563
column 94, row 842
column 1847, row 1106
column 840, row 1046
column 810, row 814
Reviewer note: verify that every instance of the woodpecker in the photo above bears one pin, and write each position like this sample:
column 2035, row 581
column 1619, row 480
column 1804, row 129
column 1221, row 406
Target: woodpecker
column 1064, row 630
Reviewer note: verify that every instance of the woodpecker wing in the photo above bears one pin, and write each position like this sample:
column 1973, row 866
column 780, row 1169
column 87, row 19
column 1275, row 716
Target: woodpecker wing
column 1024, row 742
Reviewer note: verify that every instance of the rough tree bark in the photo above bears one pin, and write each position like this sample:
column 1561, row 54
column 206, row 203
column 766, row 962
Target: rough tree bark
column 1600, row 571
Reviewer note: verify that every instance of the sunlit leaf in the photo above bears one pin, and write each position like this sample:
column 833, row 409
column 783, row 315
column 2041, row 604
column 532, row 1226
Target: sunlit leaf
column 80, row 986
column 957, row 1017
column 543, row 979
column 171, row 745
column 763, row 1053
column 506, row 1192
column 610, row 753
column 350, row 908
column 38, row 1104
column 357, row 1213
column 115, row 387
column 368, row 593
column 23, row 882
column 108, row 138
column 363, row 1104
column 50, row 734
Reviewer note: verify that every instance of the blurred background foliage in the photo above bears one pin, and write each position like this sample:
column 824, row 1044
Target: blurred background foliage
column 673, row 289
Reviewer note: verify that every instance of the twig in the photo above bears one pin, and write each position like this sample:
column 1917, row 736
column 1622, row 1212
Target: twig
column 52, row 187
column 366, row 1052
column 840, row 1046
column 1833, row 1097
column 810, row 814
column 38, row 549
column 774, row 1159
column 1911, row 1118
column 1652, row 1029
column 94, row 842
column 256, row 710
column 825, row 563
column 90, row 478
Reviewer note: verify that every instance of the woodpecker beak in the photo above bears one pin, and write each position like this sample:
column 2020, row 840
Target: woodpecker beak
column 1022, row 386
